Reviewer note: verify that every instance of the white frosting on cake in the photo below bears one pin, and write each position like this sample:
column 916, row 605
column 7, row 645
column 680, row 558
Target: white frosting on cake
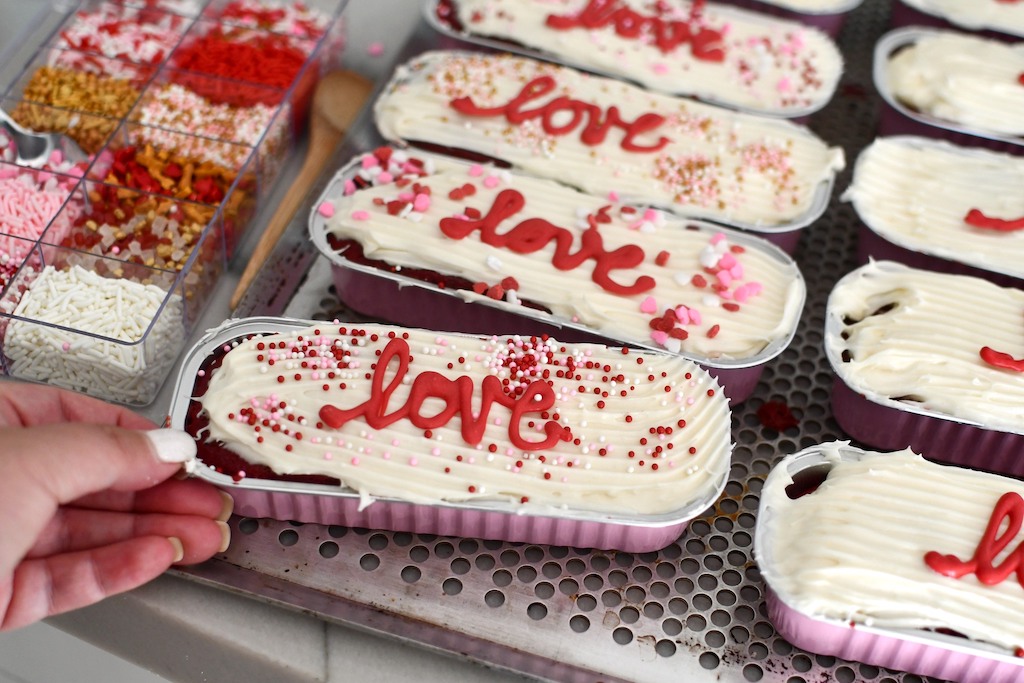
column 917, row 336
column 657, row 443
column 998, row 15
column 854, row 550
column 690, row 289
column 917, row 193
column 696, row 159
column 812, row 6
column 735, row 57
column 961, row 78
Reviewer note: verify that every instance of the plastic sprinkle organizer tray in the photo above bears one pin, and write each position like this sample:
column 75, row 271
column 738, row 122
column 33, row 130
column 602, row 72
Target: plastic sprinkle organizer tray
column 187, row 110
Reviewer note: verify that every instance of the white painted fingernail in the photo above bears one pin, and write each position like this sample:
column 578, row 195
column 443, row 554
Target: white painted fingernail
column 225, row 536
column 227, row 506
column 172, row 445
column 179, row 549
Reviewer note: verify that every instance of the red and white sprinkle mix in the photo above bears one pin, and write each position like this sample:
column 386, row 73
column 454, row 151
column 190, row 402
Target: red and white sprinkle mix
column 295, row 19
column 132, row 34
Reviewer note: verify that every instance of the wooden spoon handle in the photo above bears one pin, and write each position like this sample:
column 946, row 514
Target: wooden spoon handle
column 323, row 139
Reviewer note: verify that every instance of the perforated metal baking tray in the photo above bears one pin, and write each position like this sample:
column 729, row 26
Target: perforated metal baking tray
column 693, row 612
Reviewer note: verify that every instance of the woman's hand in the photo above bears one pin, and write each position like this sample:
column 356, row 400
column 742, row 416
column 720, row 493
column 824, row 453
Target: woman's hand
column 88, row 507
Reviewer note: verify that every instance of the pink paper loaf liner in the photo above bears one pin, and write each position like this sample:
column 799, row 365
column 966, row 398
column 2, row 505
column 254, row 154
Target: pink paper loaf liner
column 898, row 119
column 324, row 504
column 786, row 240
column 922, row 653
column 871, row 245
column 939, row 438
column 450, row 521
column 902, row 15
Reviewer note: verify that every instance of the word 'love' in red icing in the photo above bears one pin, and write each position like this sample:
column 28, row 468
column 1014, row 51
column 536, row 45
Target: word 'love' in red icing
column 533, row 234
column 1009, row 508
column 977, row 219
column 1001, row 360
column 597, row 125
column 457, row 396
column 705, row 43
column 998, row 359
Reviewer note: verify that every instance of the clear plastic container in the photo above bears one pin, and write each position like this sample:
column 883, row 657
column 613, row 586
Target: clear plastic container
column 171, row 176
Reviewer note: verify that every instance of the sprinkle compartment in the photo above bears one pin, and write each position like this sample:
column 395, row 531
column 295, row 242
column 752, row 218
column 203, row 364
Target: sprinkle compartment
column 183, row 153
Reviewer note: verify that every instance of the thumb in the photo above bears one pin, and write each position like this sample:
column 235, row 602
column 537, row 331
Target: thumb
column 47, row 466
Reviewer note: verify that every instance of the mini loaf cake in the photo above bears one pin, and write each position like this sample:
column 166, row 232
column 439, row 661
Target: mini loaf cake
column 715, row 52
column 893, row 541
column 951, row 202
column 427, row 418
column 632, row 275
column 610, row 138
column 964, row 79
column 949, row 344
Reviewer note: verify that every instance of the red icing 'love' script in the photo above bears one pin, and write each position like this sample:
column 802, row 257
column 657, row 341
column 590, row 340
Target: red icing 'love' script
column 533, row 234
column 1009, row 508
column 457, row 396
column 667, row 35
column 596, row 123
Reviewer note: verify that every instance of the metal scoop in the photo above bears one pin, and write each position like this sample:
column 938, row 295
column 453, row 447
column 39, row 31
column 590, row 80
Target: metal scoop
column 36, row 149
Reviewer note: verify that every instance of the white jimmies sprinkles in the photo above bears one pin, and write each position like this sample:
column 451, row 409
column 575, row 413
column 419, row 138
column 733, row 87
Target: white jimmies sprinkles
column 114, row 364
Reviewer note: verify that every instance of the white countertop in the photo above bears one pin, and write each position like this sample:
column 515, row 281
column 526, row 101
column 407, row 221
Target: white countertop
column 184, row 631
